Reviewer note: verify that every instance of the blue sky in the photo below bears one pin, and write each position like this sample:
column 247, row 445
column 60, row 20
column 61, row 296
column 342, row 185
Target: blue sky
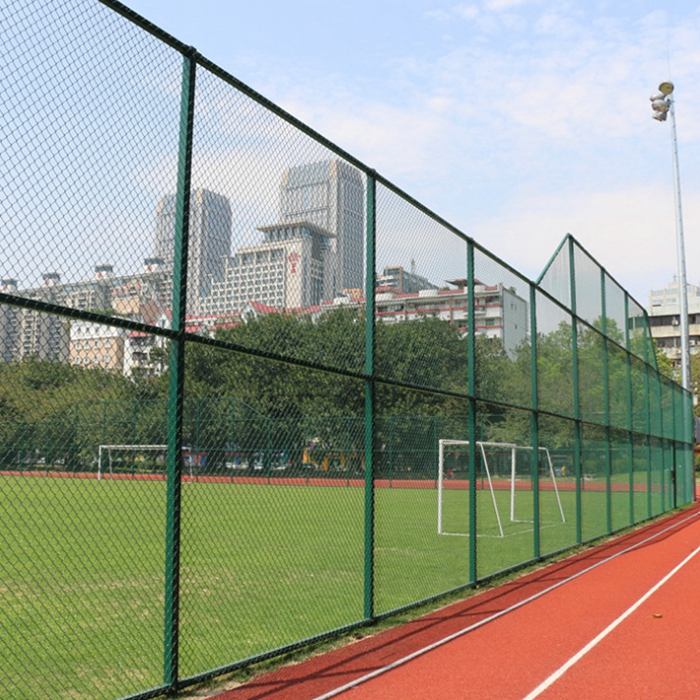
column 517, row 120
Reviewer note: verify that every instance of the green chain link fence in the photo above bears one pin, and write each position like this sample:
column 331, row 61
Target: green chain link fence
column 233, row 417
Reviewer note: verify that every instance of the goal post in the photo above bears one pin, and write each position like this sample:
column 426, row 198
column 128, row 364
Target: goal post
column 543, row 452
column 106, row 455
column 481, row 446
column 497, row 460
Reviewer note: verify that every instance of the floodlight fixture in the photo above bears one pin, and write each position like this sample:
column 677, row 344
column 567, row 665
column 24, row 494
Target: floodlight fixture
column 660, row 103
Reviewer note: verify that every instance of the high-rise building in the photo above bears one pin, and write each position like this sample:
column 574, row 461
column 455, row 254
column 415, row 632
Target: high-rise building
column 43, row 335
column 10, row 324
column 285, row 271
column 330, row 194
column 209, row 239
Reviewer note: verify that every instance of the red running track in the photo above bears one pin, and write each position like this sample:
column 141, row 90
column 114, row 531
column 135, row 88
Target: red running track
column 523, row 633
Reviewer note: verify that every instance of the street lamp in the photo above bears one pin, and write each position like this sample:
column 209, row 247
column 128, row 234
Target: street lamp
column 663, row 104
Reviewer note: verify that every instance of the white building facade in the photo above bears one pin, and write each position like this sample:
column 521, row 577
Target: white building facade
column 499, row 312
column 664, row 318
column 95, row 345
column 287, row 270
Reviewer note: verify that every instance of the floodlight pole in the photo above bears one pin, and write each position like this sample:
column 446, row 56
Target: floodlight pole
column 662, row 103
column 683, row 287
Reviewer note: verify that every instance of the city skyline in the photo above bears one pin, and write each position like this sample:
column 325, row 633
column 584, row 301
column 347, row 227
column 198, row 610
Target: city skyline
column 517, row 121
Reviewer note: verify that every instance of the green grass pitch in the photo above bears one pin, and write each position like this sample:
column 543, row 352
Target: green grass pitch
column 82, row 562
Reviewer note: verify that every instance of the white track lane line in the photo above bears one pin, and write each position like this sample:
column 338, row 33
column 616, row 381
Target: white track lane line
column 400, row 662
column 578, row 656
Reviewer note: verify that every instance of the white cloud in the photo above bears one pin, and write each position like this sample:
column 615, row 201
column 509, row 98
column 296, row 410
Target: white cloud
column 501, row 5
column 391, row 138
column 466, row 11
column 630, row 231
column 439, row 15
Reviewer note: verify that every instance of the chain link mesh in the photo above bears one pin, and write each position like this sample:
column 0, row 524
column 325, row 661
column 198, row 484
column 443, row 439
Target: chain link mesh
column 252, row 394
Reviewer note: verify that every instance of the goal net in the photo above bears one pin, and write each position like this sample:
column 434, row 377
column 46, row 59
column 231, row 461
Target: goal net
column 131, row 459
column 504, row 473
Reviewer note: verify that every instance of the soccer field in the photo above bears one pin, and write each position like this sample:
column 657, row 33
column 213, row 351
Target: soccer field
column 262, row 566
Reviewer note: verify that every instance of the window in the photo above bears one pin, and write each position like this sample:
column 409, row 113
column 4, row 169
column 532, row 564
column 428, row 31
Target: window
column 106, row 359
column 78, row 345
column 108, row 343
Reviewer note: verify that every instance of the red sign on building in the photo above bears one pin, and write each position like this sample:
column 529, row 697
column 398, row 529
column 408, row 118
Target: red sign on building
column 294, row 259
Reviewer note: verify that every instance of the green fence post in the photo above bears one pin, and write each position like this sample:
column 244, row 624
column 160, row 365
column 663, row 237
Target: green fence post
column 348, row 448
column 664, row 467
column 231, row 443
column 47, row 448
column 577, row 407
column 177, row 377
column 104, row 423
column 471, row 417
column 194, row 448
column 534, row 423
column 268, row 449
column 630, row 419
column 134, row 437
column 647, row 399
column 371, row 238
column 22, row 451
column 435, row 451
column 677, row 448
column 606, row 392
column 391, row 451
column 74, row 441
column 306, row 445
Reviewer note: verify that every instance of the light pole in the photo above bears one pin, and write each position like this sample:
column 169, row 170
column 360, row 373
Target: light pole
column 663, row 104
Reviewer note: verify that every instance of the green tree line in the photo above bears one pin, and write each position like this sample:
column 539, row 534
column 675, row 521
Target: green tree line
column 237, row 400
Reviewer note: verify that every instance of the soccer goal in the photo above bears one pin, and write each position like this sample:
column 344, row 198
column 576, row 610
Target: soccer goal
column 501, row 466
column 128, row 458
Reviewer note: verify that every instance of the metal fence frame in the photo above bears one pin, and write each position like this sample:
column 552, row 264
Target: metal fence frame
column 677, row 445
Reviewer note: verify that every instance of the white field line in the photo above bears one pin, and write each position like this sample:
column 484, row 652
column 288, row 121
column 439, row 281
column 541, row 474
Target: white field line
column 455, row 635
column 594, row 642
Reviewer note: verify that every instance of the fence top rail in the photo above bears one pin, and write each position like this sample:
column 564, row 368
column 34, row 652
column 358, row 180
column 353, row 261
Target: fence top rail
column 538, row 282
